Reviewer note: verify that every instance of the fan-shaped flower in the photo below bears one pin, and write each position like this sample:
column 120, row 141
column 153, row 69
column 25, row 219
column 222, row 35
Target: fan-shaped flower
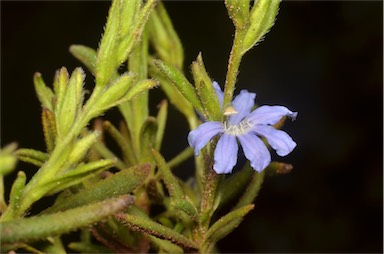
column 246, row 127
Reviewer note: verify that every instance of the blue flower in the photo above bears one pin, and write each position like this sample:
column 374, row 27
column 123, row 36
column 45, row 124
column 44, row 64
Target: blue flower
column 246, row 127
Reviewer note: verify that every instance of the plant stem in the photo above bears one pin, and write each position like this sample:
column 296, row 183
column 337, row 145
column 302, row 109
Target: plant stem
column 233, row 66
column 210, row 185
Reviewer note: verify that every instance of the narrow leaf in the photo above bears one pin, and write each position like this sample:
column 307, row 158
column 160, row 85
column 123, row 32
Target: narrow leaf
column 147, row 138
column 206, row 91
column 82, row 146
column 14, row 197
column 41, row 227
column 164, row 37
column 60, row 86
column 122, row 182
column 174, row 95
column 262, row 18
column 106, row 60
column 161, row 119
column 17, row 189
column 133, row 37
column 8, row 159
column 116, row 91
column 129, row 155
column 72, row 103
column 85, row 55
column 32, row 156
column 234, row 185
column 44, row 93
column 140, row 87
column 224, row 226
column 165, row 246
column 76, row 176
column 151, row 227
column 252, row 190
column 173, row 186
column 178, row 79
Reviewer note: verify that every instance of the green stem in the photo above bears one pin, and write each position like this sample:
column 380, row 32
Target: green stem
column 210, row 182
column 252, row 190
column 233, row 66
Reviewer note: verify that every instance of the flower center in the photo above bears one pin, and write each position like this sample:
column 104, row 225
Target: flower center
column 238, row 129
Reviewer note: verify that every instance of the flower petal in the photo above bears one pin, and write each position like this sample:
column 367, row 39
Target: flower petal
column 269, row 115
column 279, row 140
column 243, row 104
column 225, row 154
column 200, row 136
column 255, row 151
column 219, row 92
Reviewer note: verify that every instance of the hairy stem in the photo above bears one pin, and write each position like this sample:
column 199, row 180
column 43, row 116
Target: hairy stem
column 233, row 66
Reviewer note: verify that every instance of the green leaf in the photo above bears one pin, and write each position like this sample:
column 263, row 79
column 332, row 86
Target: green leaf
column 82, row 146
column 32, row 156
column 178, row 199
column 60, row 87
column 44, row 93
column 223, row 227
column 17, row 189
column 182, row 84
column 72, row 103
column 235, row 184
column 129, row 154
column 252, row 190
column 106, row 60
column 164, row 37
column 206, row 91
column 84, row 54
column 41, row 227
column 174, row 95
column 75, row 176
column 122, row 182
column 82, row 247
column 14, row 196
column 165, row 246
column 171, row 182
column 129, row 14
column 116, row 91
column 8, row 159
column 133, row 35
column 148, row 226
column 161, row 119
column 147, row 139
column 140, row 87
column 262, row 18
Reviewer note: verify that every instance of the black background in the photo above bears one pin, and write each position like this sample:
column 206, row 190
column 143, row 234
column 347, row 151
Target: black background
column 322, row 59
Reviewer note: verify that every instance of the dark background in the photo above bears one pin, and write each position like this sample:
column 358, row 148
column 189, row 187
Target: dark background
column 322, row 59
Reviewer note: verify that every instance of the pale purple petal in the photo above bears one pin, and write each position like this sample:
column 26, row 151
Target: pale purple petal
column 243, row 104
column 269, row 115
column 219, row 92
column 279, row 140
column 225, row 154
column 255, row 151
column 200, row 136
